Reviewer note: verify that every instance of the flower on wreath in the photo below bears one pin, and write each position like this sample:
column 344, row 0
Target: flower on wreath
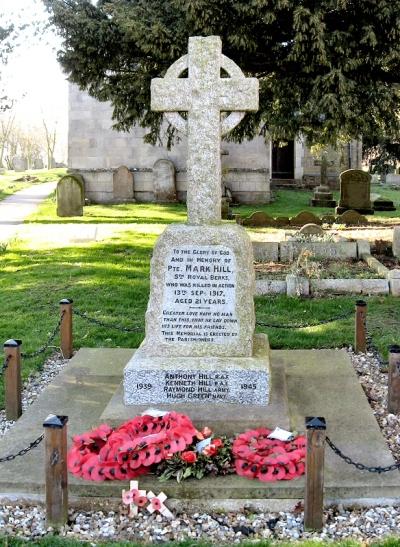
column 189, row 456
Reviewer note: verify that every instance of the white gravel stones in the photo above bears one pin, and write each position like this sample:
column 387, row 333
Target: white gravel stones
column 34, row 386
column 364, row 524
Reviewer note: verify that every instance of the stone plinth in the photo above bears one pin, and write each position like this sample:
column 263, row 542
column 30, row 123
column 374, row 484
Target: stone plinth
column 201, row 298
column 323, row 197
column 217, row 380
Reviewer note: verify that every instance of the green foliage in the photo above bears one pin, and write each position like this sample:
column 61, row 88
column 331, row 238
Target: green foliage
column 12, row 182
column 329, row 69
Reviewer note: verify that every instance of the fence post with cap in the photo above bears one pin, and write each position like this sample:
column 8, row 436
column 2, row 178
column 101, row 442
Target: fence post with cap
column 66, row 328
column 12, row 379
column 360, row 343
column 394, row 380
column 314, row 491
column 56, row 475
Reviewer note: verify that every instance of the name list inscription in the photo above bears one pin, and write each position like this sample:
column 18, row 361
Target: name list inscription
column 199, row 303
column 201, row 386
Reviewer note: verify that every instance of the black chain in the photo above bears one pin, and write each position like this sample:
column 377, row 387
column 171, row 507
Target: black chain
column 50, row 339
column 24, row 451
column 5, row 365
column 361, row 466
column 344, row 315
column 106, row 325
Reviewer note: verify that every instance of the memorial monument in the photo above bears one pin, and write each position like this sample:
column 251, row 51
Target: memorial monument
column 323, row 196
column 355, row 192
column 200, row 345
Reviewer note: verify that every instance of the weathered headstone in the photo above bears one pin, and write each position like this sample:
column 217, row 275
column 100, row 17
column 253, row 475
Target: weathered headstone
column 259, row 218
column 352, row 218
column 311, row 230
column 38, row 163
column 123, row 185
column 19, row 164
column 304, row 217
column 200, row 319
column 164, row 185
column 355, row 192
column 70, row 196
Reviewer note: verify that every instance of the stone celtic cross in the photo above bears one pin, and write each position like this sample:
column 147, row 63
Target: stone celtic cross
column 204, row 95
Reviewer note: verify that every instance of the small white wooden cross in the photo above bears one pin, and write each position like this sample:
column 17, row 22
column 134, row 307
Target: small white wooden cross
column 133, row 508
column 204, row 95
column 157, row 504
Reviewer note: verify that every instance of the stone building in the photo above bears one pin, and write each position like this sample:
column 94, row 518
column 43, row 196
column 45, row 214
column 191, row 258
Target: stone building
column 153, row 173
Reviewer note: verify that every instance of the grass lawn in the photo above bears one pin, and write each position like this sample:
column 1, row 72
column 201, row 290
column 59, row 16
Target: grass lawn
column 61, row 542
column 287, row 203
column 10, row 183
column 110, row 280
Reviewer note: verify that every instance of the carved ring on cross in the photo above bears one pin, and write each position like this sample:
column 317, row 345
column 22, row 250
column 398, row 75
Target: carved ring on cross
column 227, row 123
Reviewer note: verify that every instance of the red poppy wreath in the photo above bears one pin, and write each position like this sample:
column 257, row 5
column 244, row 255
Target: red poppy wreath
column 257, row 457
column 129, row 450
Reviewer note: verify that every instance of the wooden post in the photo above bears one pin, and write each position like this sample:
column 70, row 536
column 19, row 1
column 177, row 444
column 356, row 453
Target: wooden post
column 12, row 379
column 394, row 380
column 360, row 345
column 55, row 440
column 66, row 328
column 314, row 493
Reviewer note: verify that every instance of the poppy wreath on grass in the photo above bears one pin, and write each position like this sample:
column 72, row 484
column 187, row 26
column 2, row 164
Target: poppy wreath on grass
column 257, row 457
column 130, row 450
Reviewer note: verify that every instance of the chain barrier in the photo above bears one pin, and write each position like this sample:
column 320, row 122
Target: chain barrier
column 100, row 323
column 361, row 466
column 50, row 339
column 24, row 451
column 371, row 348
column 5, row 365
column 344, row 315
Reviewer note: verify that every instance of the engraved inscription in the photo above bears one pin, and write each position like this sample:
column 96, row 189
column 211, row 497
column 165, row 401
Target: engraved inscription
column 199, row 386
column 199, row 303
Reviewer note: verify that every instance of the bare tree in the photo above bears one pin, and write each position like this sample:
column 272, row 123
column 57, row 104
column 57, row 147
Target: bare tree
column 6, row 128
column 50, row 135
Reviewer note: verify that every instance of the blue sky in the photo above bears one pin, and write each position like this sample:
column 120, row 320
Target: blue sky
column 32, row 74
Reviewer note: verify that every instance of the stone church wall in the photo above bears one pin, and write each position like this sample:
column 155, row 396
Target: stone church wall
column 96, row 151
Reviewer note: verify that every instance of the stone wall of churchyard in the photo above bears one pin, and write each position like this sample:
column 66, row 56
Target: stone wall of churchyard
column 96, row 151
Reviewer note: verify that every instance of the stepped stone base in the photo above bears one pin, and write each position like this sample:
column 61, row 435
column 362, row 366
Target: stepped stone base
column 202, row 380
column 319, row 383
column 323, row 203
column 249, row 411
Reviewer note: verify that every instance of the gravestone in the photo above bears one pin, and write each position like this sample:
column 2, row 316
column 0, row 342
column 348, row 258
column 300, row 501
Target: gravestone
column 355, row 192
column 323, row 197
column 311, row 230
column 200, row 320
column 164, row 185
column 38, row 163
column 123, row 185
column 70, row 196
column 19, row 164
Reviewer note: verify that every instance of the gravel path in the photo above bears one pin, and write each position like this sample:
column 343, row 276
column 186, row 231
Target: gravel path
column 363, row 524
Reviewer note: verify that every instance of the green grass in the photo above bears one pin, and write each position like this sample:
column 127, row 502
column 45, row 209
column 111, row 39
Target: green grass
column 53, row 541
column 110, row 280
column 124, row 213
column 290, row 202
column 9, row 183
column 287, row 203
